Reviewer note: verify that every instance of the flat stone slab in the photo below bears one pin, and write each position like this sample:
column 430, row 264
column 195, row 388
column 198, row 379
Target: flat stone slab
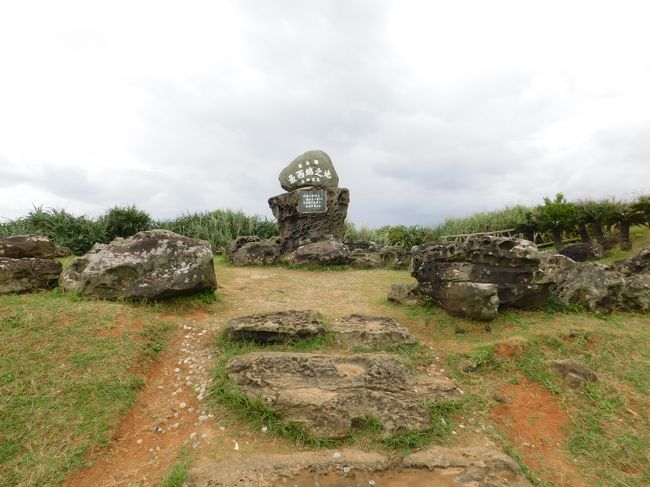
column 276, row 327
column 371, row 331
column 326, row 394
column 438, row 466
column 21, row 246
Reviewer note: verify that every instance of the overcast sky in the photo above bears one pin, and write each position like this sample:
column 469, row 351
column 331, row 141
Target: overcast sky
column 427, row 109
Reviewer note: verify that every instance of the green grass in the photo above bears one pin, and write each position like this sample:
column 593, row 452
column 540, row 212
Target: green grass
column 69, row 369
column 176, row 475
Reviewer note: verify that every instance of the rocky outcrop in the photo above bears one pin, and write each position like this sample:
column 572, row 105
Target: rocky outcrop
column 276, row 327
column 480, row 466
column 256, row 252
column 574, row 373
column 313, row 168
column 476, row 277
column 298, row 228
column 582, row 252
column 28, row 274
column 19, row 246
column 406, row 294
column 476, row 466
column 153, row 264
column 238, row 243
column 638, row 264
column 326, row 251
column 371, row 331
column 326, row 394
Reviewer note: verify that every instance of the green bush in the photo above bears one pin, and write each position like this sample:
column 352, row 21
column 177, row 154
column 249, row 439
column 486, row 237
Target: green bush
column 124, row 222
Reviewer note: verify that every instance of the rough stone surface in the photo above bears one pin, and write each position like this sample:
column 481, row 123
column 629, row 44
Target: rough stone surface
column 28, row 274
column 276, row 327
column 61, row 251
column 19, row 246
column 313, row 168
column 362, row 245
column 257, row 252
column 575, row 373
column 395, row 256
column 583, row 252
column 365, row 258
column 271, row 469
column 371, row 331
column 326, row 394
column 297, row 228
column 239, row 242
column 154, row 264
column 327, row 251
column 635, row 294
column 463, row 277
column 405, row 294
column 636, row 265
column 480, row 466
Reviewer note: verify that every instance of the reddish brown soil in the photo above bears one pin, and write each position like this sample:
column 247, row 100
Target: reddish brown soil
column 537, row 428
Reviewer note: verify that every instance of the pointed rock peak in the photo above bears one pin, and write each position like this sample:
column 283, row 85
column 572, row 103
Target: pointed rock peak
column 313, row 168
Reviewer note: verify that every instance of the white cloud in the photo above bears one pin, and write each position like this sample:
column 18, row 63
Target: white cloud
column 428, row 109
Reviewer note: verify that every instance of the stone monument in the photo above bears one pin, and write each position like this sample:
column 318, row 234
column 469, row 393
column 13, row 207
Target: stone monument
column 314, row 208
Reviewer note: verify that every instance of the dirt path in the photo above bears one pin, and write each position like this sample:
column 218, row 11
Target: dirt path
column 169, row 415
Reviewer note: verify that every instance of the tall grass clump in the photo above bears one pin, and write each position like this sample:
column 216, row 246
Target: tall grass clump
column 219, row 227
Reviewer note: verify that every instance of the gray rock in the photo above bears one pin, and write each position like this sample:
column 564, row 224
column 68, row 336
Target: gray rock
column 276, row 327
column 575, row 373
column 153, row 264
column 636, row 265
column 395, row 256
column 371, row 331
column 582, row 252
column 365, row 258
column 405, row 294
column 296, row 229
column 239, row 242
column 61, row 251
column 19, row 246
column 326, row 394
column 313, row 168
column 366, row 245
column 635, row 294
column 28, row 274
column 323, row 252
column 467, row 277
column 479, row 466
column 257, row 252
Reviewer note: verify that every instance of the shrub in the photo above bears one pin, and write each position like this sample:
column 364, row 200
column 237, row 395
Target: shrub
column 124, row 222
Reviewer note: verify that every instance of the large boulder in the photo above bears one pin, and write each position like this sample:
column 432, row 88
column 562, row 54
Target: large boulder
column 19, row 246
column 276, row 327
column 257, row 252
column 405, row 294
column 582, row 252
column 326, row 251
column 638, row 264
column 476, row 277
column 313, row 168
column 395, row 256
column 153, row 264
column 297, row 228
column 28, row 274
column 327, row 394
column 238, row 243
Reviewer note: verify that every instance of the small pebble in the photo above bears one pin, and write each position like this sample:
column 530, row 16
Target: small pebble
column 336, row 455
column 139, row 441
column 236, row 446
column 182, row 405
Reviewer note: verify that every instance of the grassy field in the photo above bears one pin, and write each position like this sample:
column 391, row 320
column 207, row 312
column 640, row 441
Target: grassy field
column 69, row 369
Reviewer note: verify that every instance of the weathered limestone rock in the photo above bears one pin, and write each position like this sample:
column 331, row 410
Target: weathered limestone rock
column 636, row 265
column 474, row 278
column 480, row 466
column 239, row 242
column 438, row 466
column 365, row 258
column 574, row 372
column 405, row 294
column 327, row 251
column 313, row 168
column 61, row 251
column 272, row 469
column 298, row 228
column 371, row 331
column 326, row 394
column 582, row 252
column 153, row 264
column 365, row 245
column 28, row 274
column 276, row 327
column 635, row 295
column 19, row 246
column 394, row 256
column 257, row 252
